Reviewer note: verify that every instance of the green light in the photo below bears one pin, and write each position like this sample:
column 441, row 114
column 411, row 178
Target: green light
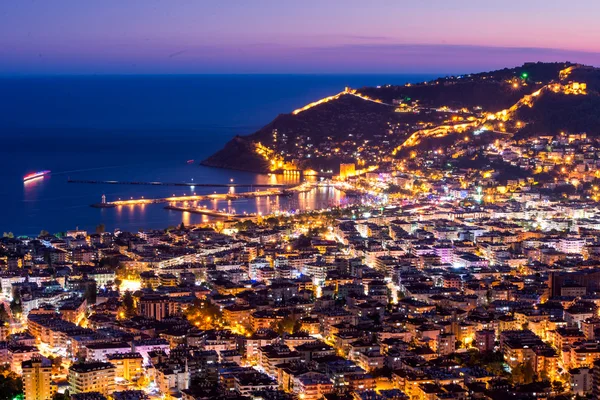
column 524, row 75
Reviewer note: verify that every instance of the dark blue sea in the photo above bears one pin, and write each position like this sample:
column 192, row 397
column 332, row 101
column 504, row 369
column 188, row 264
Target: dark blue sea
column 138, row 128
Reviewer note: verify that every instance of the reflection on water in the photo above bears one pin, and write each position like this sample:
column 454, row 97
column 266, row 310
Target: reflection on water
column 50, row 196
column 185, row 217
column 317, row 198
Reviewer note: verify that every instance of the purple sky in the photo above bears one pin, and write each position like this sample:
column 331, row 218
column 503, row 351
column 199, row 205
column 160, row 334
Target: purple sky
column 281, row 36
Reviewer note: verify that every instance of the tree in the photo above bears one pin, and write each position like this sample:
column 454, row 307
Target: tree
column 112, row 262
column 523, row 373
column 287, row 324
column 62, row 396
column 15, row 305
column 297, row 326
column 557, row 386
column 90, row 293
column 128, row 305
column 272, row 222
column 44, row 232
column 9, row 235
column 48, row 258
column 100, row 228
column 11, row 385
column 204, row 314
column 181, row 226
column 4, row 317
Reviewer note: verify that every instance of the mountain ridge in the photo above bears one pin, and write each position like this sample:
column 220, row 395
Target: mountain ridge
column 373, row 125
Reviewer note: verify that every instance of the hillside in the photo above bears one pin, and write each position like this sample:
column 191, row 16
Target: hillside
column 370, row 125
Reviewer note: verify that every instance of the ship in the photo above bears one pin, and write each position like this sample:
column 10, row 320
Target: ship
column 35, row 175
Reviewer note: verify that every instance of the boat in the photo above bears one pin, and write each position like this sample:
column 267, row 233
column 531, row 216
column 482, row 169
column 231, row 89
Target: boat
column 35, row 175
column 190, row 161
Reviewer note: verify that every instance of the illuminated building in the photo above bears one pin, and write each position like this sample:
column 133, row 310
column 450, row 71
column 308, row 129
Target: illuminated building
column 37, row 379
column 484, row 340
column 271, row 355
column 312, row 385
column 128, row 365
column 17, row 354
column 347, row 171
column 156, row 306
column 446, row 344
column 581, row 380
column 101, row 351
column 92, row 377
column 74, row 311
column 172, row 380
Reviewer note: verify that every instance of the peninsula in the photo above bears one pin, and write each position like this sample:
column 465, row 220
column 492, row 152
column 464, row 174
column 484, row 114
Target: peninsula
column 378, row 126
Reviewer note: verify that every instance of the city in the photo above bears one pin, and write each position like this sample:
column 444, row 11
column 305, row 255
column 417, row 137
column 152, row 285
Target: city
column 316, row 200
column 442, row 286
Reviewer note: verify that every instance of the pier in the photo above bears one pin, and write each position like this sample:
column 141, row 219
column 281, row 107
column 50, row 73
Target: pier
column 177, row 199
column 186, row 184
column 173, row 200
column 210, row 213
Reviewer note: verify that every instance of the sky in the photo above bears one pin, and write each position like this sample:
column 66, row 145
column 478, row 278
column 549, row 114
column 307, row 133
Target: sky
column 290, row 36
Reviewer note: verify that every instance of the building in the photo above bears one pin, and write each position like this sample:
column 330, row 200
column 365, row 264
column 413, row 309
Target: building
column 446, row 344
column 172, row 380
column 37, row 379
column 581, row 381
column 571, row 245
column 155, row 306
column 485, row 340
column 347, row 171
column 596, row 380
column 92, row 377
column 246, row 383
column 100, row 351
column 129, row 366
column 19, row 353
column 312, row 385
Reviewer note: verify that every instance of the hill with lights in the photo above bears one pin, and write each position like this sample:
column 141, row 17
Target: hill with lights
column 376, row 125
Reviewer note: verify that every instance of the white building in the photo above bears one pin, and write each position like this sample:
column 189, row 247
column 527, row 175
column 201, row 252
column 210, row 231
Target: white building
column 99, row 351
column 255, row 265
column 571, row 245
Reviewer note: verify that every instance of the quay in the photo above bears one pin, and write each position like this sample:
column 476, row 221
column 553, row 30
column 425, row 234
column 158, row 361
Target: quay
column 210, row 213
column 176, row 199
column 284, row 191
column 186, row 184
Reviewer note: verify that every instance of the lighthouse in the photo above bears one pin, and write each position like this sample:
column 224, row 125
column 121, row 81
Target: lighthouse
column 103, row 199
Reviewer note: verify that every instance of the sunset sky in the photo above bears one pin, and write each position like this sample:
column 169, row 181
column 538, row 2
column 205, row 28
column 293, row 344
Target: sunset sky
column 280, row 36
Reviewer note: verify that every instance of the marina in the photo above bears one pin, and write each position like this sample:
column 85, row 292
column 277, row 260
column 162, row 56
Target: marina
column 187, row 184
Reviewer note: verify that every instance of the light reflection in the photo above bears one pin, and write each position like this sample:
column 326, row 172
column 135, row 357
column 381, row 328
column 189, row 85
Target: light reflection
column 185, row 218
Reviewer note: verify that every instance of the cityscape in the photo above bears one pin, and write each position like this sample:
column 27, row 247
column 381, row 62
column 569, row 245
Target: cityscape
column 428, row 237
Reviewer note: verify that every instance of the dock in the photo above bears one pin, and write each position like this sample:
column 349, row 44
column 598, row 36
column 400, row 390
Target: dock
column 281, row 191
column 210, row 213
column 179, row 199
column 185, row 184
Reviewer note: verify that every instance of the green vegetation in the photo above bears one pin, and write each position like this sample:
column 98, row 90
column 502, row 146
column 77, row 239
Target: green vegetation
column 204, row 314
column 15, row 305
column 11, row 385
column 128, row 307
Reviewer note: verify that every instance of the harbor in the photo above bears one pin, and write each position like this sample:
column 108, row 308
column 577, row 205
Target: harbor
column 221, row 205
column 186, row 184
column 176, row 199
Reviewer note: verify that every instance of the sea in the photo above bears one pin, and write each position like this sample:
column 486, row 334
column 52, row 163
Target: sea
column 141, row 128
